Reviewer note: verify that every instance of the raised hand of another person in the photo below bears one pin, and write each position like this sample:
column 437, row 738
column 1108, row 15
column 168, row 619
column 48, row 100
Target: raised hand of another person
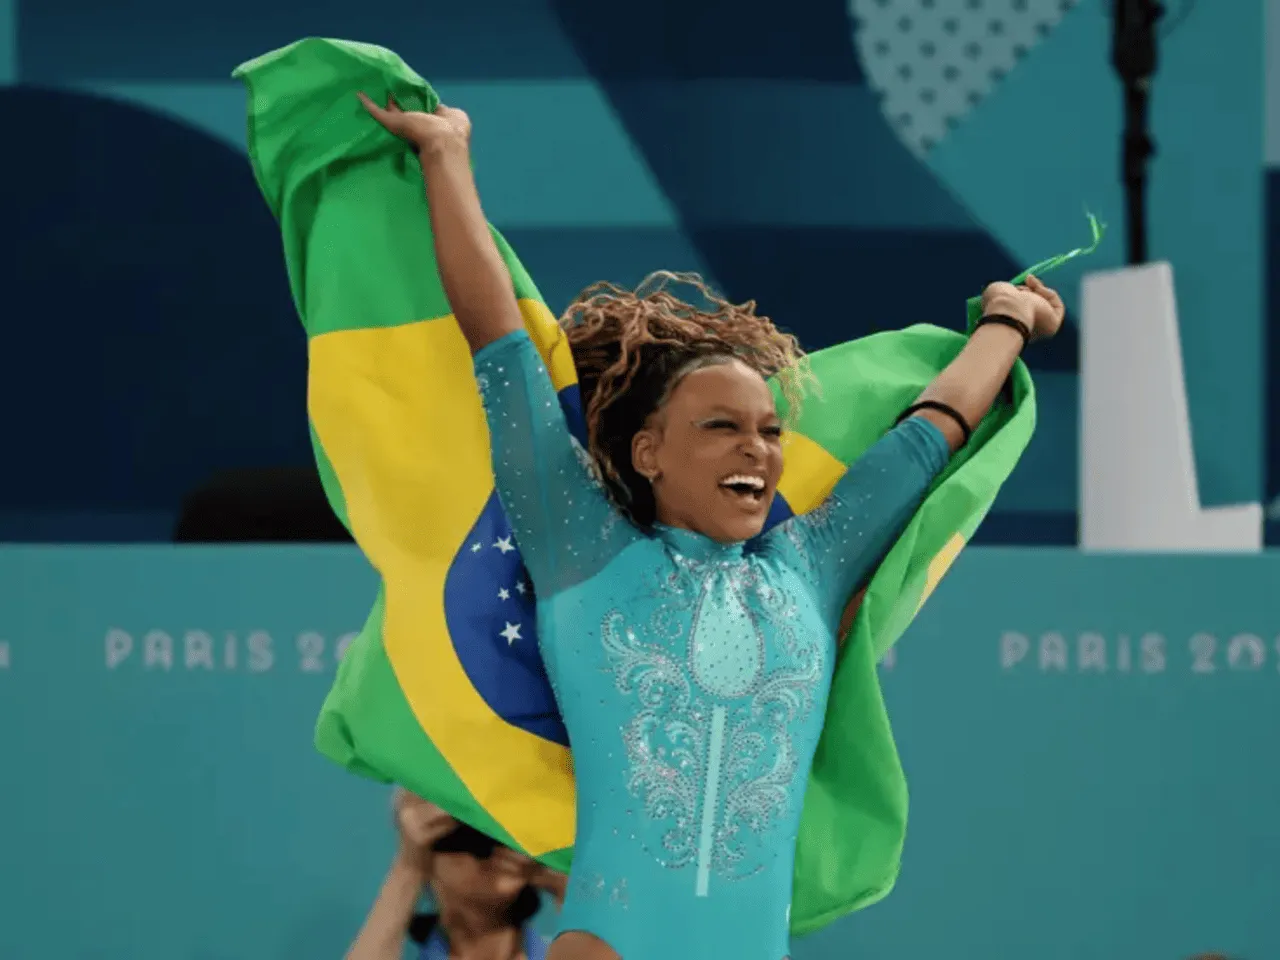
column 420, row 824
column 551, row 881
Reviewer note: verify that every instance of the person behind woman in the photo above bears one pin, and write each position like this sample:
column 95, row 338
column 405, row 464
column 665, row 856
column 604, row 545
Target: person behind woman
column 486, row 894
column 691, row 657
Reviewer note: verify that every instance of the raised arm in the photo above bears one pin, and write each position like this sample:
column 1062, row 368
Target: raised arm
column 971, row 382
column 420, row 824
column 564, row 524
column 475, row 277
column 840, row 543
column 843, row 541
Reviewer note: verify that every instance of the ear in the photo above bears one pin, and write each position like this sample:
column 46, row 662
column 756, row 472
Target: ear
column 644, row 453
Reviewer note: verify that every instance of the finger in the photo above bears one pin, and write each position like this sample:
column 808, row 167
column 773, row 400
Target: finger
column 549, row 877
column 375, row 111
column 1039, row 287
column 392, row 105
column 1042, row 288
column 369, row 104
column 389, row 120
column 455, row 116
column 1051, row 296
column 425, row 834
column 438, row 828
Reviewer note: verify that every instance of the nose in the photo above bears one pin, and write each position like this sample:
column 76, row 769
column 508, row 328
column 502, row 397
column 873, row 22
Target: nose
column 754, row 446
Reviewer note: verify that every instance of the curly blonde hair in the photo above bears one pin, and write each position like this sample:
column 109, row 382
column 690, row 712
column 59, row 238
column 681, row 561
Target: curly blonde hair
column 631, row 348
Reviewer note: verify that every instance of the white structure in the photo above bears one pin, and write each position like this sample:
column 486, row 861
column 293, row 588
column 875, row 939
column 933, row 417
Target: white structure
column 1138, row 488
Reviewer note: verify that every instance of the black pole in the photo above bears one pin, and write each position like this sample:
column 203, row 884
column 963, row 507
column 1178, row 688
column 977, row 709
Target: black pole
column 1133, row 54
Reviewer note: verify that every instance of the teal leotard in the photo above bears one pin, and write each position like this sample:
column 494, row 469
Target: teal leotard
column 692, row 676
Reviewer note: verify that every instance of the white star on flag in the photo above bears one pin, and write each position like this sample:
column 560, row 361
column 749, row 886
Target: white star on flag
column 475, row 548
column 511, row 633
column 520, row 588
column 504, row 545
column 504, row 594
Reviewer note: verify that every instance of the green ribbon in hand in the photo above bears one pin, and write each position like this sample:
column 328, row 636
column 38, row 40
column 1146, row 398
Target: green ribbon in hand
column 1096, row 229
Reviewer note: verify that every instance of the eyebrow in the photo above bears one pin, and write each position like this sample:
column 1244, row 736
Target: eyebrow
column 719, row 411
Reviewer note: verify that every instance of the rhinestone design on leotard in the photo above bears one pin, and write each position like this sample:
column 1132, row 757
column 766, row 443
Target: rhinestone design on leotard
column 709, row 746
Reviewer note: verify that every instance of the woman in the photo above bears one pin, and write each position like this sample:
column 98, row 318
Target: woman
column 486, row 894
column 691, row 658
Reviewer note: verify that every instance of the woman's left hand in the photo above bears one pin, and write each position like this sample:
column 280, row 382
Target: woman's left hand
column 1035, row 304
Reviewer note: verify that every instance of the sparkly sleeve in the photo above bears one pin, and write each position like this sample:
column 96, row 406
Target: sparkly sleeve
column 564, row 523
column 844, row 539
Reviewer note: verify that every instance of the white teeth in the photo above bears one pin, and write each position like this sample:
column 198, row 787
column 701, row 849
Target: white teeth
column 755, row 483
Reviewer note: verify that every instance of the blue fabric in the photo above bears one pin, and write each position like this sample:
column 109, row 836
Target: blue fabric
column 437, row 948
column 692, row 676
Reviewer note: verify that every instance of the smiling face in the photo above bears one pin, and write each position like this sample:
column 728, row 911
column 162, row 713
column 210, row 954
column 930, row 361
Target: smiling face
column 713, row 452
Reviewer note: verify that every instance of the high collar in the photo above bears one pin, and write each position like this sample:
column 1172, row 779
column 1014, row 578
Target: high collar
column 697, row 547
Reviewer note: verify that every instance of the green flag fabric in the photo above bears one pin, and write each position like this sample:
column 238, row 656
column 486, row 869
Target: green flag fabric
column 426, row 697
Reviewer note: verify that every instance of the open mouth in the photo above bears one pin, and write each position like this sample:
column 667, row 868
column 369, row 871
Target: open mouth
column 744, row 488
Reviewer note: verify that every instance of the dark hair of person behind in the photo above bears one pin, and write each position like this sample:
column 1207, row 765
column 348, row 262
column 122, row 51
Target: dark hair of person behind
column 631, row 347
column 523, row 909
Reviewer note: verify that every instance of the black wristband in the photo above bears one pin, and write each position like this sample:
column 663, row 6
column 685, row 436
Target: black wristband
column 1007, row 321
column 951, row 412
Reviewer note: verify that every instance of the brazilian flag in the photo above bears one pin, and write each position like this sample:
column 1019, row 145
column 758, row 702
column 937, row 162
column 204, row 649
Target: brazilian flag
column 444, row 691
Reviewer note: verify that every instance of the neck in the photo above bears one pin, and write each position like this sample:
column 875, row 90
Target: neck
column 478, row 935
column 682, row 523
column 696, row 545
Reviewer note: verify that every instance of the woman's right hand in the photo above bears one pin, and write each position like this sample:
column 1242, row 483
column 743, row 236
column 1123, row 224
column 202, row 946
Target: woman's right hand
column 429, row 133
column 420, row 824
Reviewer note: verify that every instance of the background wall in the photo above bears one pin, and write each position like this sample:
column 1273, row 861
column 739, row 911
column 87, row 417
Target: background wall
column 1090, row 744
column 852, row 165
column 1090, row 741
